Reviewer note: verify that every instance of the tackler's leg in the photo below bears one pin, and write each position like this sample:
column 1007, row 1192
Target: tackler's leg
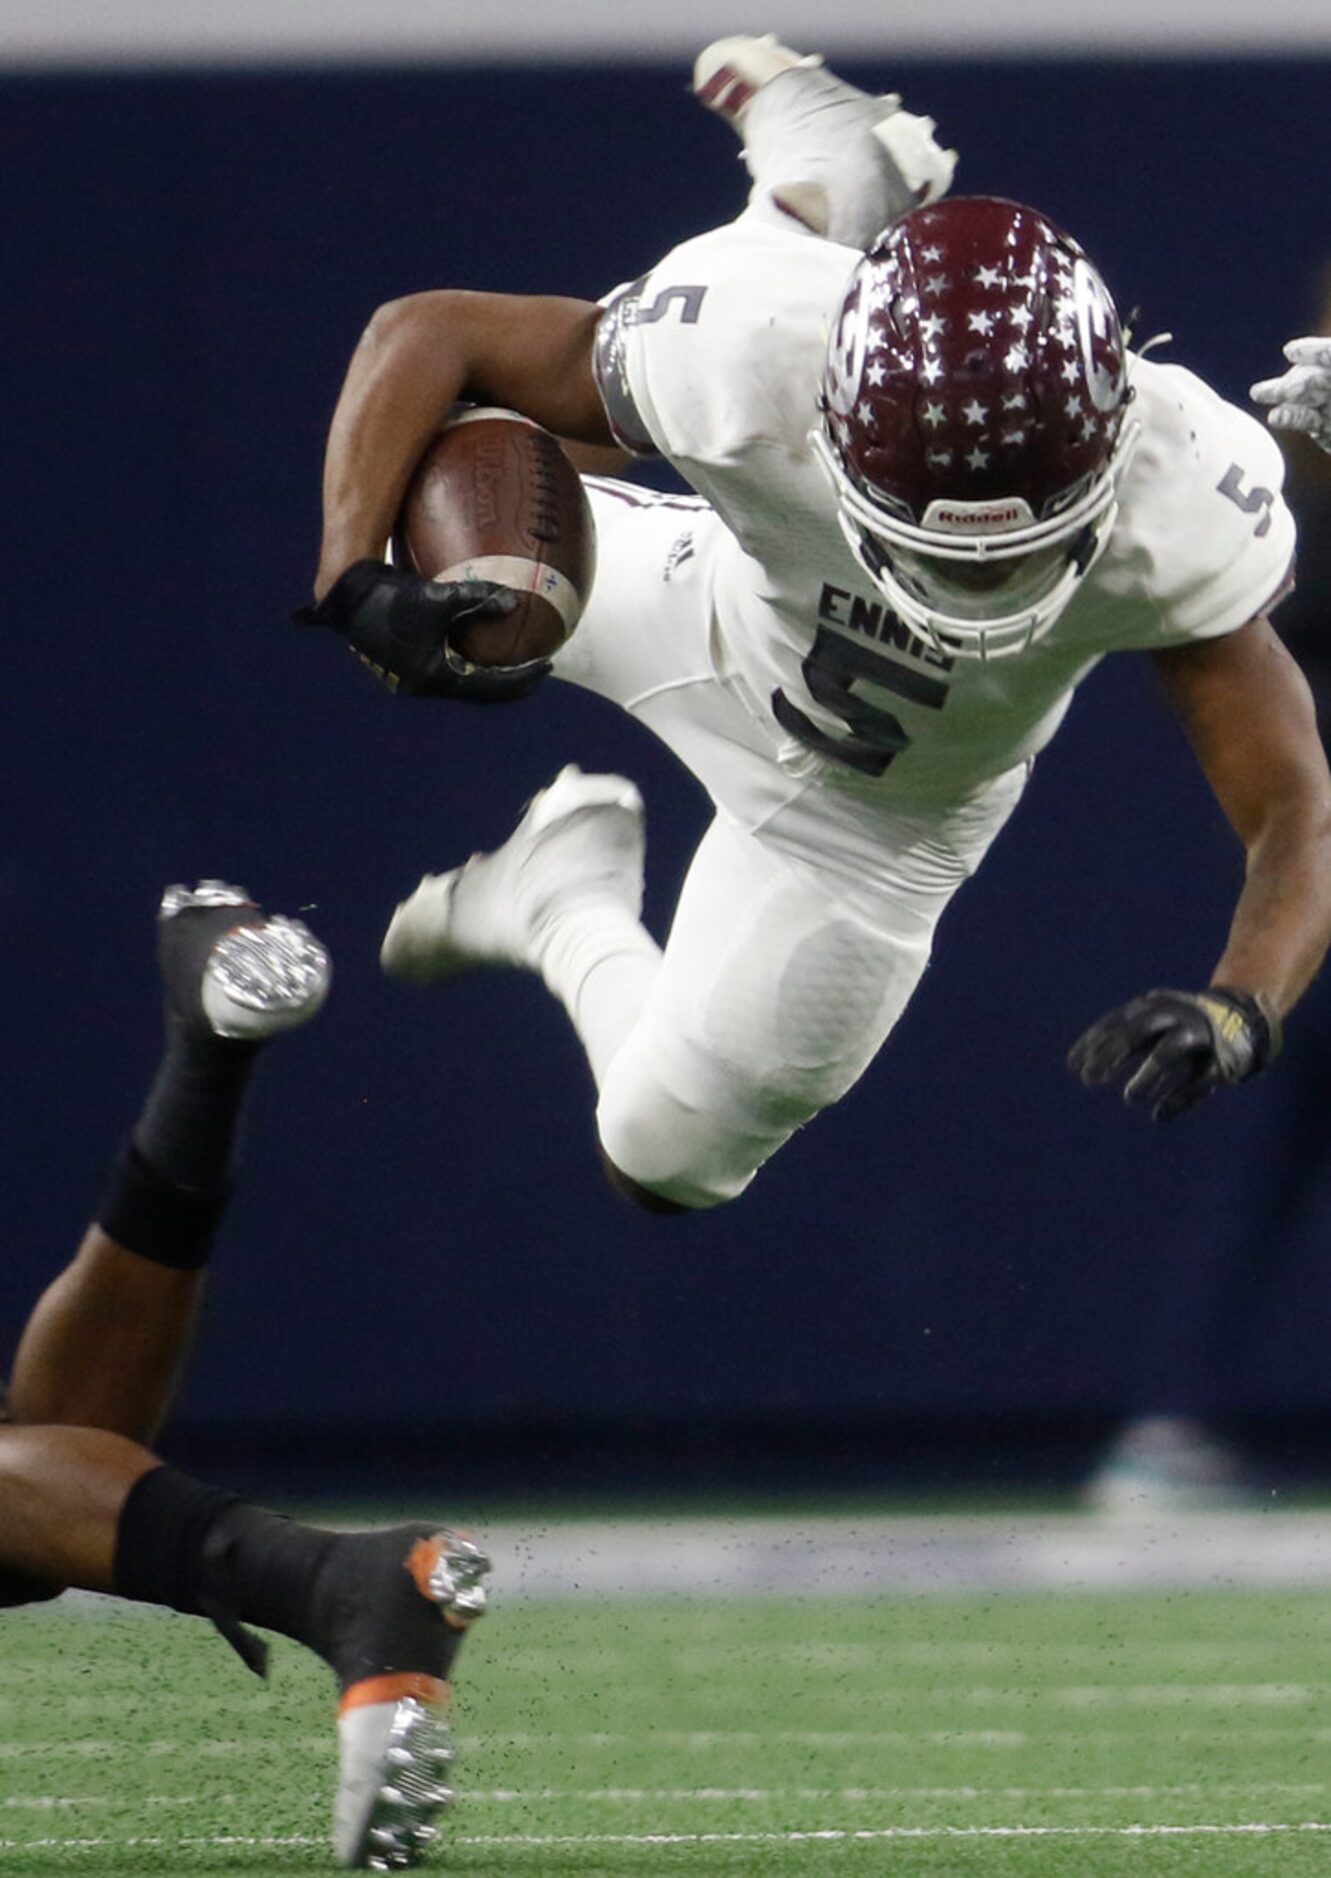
column 87, row 1506
column 100, row 1357
column 823, row 155
column 385, row 1610
column 106, row 1341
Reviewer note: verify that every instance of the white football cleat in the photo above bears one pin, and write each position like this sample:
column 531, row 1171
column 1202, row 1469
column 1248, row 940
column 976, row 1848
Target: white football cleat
column 228, row 966
column 728, row 72
column 926, row 168
column 840, row 162
column 579, row 839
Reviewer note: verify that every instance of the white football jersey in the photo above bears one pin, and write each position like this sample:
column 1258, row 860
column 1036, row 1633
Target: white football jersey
column 714, row 360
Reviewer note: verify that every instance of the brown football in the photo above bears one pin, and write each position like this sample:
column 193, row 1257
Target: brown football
column 495, row 498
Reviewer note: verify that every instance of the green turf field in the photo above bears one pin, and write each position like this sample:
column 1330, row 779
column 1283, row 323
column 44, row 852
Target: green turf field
column 1187, row 1732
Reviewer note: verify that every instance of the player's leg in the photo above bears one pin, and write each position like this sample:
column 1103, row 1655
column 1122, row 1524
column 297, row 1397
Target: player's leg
column 793, row 952
column 773, row 998
column 86, row 1506
column 61, row 1493
column 106, row 1341
column 563, row 895
column 385, row 1610
column 822, row 154
column 776, row 988
column 105, row 1344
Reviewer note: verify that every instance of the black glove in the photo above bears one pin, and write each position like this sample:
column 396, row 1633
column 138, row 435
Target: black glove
column 399, row 624
column 1175, row 1047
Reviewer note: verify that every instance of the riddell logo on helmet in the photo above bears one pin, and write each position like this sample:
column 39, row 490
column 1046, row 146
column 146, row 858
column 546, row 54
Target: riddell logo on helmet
column 968, row 516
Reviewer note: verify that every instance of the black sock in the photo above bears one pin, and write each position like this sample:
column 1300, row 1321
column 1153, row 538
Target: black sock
column 170, row 1183
column 165, row 1518
column 201, row 1550
column 187, row 1130
column 147, row 1215
column 207, row 1552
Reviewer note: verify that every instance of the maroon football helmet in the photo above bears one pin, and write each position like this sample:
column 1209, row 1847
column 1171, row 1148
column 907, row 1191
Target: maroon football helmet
column 974, row 421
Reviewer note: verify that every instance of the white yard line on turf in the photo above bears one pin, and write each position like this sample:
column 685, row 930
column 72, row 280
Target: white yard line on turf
column 705, row 1741
column 761, row 1796
column 837, row 1835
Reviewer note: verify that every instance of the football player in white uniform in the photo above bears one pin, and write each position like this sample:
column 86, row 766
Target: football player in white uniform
column 933, row 489
column 83, row 1500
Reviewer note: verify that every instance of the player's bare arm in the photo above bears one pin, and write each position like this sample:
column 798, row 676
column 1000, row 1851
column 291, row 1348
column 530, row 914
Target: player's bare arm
column 1249, row 716
column 417, row 358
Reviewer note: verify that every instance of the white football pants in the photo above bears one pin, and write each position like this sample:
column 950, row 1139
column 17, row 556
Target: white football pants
column 807, row 915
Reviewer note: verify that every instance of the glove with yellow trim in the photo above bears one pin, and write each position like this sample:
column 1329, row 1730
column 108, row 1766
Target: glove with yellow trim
column 1173, row 1048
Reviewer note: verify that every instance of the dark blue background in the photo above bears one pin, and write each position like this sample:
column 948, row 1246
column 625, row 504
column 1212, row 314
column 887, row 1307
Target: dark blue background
column 423, row 1252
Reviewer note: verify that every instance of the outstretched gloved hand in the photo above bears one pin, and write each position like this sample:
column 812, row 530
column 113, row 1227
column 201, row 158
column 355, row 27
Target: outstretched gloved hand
column 1301, row 400
column 1170, row 1049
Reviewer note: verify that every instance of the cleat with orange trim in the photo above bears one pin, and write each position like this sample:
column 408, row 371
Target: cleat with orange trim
column 399, row 1602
